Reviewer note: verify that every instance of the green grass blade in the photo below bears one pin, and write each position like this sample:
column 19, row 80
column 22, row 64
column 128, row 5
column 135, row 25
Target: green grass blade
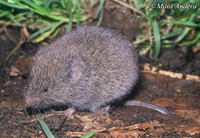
column 46, row 5
column 12, row 5
column 56, row 32
column 13, row 18
column 40, row 32
column 136, row 4
column 43, row 32
column 74, row 5
column 36, row 8
column 47, row 33
column 191, row 42
column 172, row 34
column 69, row 25
column 157, row 37
column 45, row 128
column 78, row 13
column 36, row 2
column 149, row 3
column 88, row 135
column 5, row 13
column 40, row 10
column 28, row 7
column 149, row 19
column 167, row 42
column 186, row 23
column 100, row 9
column 100, row 18
column 183, row 34
column 63, row 3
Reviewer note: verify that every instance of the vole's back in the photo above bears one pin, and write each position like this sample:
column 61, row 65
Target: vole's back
column 112, row 62
column 101, row 66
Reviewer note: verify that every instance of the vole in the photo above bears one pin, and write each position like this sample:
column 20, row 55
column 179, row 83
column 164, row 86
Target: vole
column 87, row 69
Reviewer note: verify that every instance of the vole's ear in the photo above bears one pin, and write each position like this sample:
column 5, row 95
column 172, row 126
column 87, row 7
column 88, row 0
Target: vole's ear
column 77, row 68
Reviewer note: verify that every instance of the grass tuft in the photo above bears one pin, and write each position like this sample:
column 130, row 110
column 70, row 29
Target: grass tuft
column 170, row 27
column 44, row 15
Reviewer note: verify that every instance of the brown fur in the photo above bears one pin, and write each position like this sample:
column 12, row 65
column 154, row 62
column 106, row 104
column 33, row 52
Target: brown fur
column 85, row 69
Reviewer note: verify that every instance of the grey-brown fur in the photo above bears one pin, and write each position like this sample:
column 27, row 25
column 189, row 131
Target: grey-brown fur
column 85, row 69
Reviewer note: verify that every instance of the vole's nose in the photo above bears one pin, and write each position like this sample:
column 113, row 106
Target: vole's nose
column 32, row 101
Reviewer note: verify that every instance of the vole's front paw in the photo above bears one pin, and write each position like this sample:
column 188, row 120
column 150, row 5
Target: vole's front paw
column 67, row 112
column 100, row 113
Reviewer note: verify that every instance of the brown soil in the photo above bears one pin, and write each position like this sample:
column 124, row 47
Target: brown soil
column 181, row 96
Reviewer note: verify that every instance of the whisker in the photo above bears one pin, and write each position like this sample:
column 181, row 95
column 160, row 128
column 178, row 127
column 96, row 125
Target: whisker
column 32, row 111
column 25, row 110
column 17, row 88
column 61, row 107
column 44, row 111
column 37, row 111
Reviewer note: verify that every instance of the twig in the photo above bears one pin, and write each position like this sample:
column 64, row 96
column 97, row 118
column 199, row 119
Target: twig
column 10, row 37
column 35, row 119
column 20, row 43
column 142, row 40
column 3, row 28
column 128, row 6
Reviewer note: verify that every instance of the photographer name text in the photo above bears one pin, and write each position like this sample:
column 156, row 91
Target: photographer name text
column 173, row 6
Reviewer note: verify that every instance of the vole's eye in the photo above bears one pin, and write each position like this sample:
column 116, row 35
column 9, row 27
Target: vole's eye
column 45, row 89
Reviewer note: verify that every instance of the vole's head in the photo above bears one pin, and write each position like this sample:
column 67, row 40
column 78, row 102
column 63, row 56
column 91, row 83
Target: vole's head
column 53, row 75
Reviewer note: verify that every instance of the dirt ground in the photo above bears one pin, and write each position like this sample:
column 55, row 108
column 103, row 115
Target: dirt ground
column 179, row 94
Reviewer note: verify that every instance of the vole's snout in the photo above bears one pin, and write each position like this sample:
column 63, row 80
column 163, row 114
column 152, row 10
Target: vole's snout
column 32, row 101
